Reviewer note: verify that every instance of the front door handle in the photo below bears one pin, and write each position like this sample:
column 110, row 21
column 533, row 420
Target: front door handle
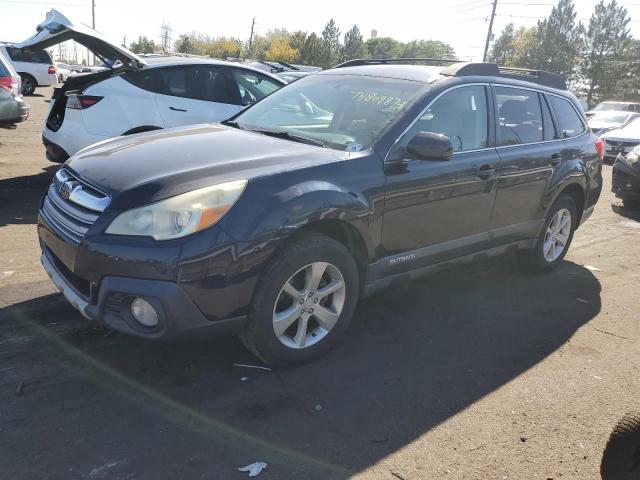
column 486, row 172
column 177, row 109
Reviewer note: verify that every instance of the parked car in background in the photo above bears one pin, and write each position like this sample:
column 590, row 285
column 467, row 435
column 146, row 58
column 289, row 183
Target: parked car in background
column 610, row 105
column 13, row 109
column 138, row 95
column 288, row 72
column 626, row 178
column 34, row 65
column 610, row 120
column 64, row 71
column 621, row 140
column 275, row 229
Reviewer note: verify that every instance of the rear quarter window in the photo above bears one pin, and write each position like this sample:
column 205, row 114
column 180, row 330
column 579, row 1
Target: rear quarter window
column 30, row 56
column 570, row 123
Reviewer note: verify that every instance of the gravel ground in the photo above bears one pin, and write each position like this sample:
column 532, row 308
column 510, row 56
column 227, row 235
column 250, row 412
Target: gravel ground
column 479, row 372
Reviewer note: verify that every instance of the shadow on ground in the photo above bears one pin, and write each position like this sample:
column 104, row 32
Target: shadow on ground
column 20, row 196
column 414, row 356
column 631, row 212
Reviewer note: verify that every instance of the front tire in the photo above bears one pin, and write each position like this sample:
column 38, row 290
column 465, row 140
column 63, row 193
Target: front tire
column 621, row 458
column 28, row 84
column 304, row 301
column 554, row 240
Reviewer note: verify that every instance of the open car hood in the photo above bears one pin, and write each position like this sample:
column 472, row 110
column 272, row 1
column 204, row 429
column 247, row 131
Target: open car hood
column 57, row 29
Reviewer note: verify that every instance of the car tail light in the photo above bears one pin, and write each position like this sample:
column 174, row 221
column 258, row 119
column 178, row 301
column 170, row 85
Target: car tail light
column 10, row 84
column 600, row 148
column 80, row 102
column 52, row 70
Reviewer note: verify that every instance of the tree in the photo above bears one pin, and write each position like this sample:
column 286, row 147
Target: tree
column 628, row 88
column 281, row 51
column 330, row 53
column 383, row 47
column 353, row 45
column 297, row 41
column 428, row 49
column 311, row 51
column 606, row 41
column 143, row 45
column 525, row 48
column 502, row 49
column 559, row 40
column 184, row 44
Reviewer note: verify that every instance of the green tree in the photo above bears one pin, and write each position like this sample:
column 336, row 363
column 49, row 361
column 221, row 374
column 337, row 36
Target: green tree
column 296, row 41
column 628, row 87
column 311, row 51
column 383, row 47
column 428, row 49
column 330, row 45
column 559, row 40
column 502, row 49
column 143, row 45
column 353, row 45
column 607, row 40
column 184, row 44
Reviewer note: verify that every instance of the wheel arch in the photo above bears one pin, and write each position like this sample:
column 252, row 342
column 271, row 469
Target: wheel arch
column 577, row 192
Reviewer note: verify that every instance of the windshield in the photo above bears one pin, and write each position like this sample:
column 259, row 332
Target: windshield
column 610, row 117
column 343, row 112
column 610, row 106
column 633, row 128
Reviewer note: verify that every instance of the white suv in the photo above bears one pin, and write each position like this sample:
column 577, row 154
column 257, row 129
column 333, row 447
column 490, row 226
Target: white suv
column 134, row 96
column 35, row 67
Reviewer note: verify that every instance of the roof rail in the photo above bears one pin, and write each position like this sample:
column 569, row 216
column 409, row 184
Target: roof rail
column 466, row 69
column 386, row 61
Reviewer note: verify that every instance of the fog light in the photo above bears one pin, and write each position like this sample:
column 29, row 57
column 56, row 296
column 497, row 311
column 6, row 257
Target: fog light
column 144, row 312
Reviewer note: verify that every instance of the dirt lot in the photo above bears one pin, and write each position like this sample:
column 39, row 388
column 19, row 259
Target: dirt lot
column 481, row 372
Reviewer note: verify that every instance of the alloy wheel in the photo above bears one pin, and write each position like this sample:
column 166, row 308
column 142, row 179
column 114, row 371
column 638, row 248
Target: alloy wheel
column 309, row 305
column 557, row 235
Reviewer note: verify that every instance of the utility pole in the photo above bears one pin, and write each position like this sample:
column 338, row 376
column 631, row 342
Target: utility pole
column 253, row 23
column 124, row 41
column 489, row 33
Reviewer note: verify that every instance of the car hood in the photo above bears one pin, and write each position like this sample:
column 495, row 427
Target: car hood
column 623, row 134
column 147, row 167
column 57, row 28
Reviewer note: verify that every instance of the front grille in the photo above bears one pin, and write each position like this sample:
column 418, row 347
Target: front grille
column 618, row 143
column 71, row 206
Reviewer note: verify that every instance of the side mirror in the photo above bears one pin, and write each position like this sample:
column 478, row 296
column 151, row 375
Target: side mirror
column 430, row 146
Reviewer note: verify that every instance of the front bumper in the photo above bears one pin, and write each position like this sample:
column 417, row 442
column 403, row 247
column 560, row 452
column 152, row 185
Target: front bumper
column 179, row 318
column 625, row 181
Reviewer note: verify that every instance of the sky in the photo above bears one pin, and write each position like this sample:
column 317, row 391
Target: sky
column 461, row 23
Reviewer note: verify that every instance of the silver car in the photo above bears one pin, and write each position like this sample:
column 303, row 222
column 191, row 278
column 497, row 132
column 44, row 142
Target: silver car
column 610, row 120
column 622, row 140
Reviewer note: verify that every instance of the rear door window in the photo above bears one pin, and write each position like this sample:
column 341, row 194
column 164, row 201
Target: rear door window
column 569, row 122
column 519, row 116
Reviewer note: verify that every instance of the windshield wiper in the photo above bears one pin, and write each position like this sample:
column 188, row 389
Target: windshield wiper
column 289, row 136
column 233, row 123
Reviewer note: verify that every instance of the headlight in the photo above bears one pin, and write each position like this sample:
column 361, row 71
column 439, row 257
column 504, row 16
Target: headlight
column 180, row 215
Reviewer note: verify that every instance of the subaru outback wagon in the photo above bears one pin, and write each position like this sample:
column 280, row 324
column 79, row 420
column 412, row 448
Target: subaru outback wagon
column 273, row 224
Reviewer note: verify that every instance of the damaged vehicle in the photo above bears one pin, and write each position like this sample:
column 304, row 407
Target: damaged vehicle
column 626, row 178
column 137, row 95
column 273, row 227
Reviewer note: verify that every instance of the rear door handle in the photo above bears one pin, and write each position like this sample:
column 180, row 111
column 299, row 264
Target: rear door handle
column 177, row 109
column 555, row 160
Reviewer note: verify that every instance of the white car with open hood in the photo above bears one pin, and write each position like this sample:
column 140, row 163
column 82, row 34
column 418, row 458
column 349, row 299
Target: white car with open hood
column 137, row 94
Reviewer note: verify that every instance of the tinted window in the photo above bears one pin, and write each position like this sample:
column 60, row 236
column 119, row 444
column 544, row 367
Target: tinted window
column 519, row 116
column 569, row 122
column 461, row 115
column 253, row 86
column 25, row 55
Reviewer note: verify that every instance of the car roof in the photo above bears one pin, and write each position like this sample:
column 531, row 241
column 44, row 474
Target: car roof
column 172, row 61
column 416, row 73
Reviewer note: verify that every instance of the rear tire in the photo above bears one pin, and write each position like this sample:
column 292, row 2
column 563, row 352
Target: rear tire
column 621, row 458
column 554, row 240
column 292, row 319
column 28, row 84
